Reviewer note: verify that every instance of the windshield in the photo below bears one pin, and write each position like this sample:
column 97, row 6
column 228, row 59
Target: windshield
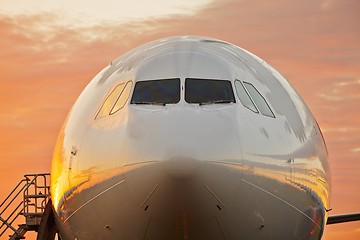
column 157, row 92
column 208, row 91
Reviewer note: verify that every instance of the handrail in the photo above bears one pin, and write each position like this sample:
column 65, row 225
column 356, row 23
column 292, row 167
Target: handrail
column 12, row 213
column 18, row 193
column 9, row 223
column 8, row 226
column 12, row 193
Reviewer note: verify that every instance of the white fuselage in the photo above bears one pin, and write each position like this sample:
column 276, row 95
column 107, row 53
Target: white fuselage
column 252, row 167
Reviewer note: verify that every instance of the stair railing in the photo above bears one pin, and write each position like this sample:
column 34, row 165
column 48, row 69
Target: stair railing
column 30, row 187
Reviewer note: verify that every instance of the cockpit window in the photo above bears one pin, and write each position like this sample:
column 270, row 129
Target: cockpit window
column 208, row 91
column 116, row 100
column 259, row 100
column 244, row 96
column 122, row 99
column 157, row 92
column 110, row 101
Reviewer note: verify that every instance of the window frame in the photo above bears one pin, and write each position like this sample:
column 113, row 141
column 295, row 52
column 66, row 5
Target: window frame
column 121, row 94
column 255, row 102
column 248, row 94
column 132, row 101
column 233, row 100
column 99, row 114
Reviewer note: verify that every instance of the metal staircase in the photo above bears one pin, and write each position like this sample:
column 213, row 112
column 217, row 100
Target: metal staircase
column 28, row 199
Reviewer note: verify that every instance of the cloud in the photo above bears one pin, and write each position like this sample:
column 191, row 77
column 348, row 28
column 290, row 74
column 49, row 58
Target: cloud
column 356, row 150
column 44, row 65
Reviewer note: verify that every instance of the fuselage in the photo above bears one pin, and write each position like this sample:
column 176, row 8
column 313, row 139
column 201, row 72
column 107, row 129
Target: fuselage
column 190, row 138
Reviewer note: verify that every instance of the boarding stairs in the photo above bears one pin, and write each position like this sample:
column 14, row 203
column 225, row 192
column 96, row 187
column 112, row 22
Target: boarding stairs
column 28, row 199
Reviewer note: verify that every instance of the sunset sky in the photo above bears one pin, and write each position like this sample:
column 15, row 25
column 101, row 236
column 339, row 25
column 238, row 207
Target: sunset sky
column 50, row 50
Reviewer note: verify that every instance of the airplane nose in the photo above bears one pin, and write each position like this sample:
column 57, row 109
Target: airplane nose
column 167, row 172
column 175, row 177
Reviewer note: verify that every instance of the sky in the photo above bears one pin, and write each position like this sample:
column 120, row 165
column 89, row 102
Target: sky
column 50, row 50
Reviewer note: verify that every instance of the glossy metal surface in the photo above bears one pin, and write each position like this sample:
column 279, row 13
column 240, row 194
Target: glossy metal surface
column 190, row 171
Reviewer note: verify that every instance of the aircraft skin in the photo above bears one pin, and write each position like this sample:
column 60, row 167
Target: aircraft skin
column 252, row 167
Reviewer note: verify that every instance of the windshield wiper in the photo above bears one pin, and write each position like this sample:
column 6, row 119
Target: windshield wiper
column 150, row 103
column 217, row 102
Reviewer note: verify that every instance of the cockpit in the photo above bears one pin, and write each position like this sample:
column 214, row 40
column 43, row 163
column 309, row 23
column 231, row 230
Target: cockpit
column 199, row 91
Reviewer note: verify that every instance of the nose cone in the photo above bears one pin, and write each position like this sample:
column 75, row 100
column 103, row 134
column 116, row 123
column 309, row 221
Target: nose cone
column 175, row 185
column 179, row 198
column 183, row 135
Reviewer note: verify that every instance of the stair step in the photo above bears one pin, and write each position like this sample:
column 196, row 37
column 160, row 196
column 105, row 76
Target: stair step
column 37, row 196
column 33, row 214
column 16, row 237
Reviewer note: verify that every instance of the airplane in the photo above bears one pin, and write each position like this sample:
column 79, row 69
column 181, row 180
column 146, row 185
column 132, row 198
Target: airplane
column 189, row 138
